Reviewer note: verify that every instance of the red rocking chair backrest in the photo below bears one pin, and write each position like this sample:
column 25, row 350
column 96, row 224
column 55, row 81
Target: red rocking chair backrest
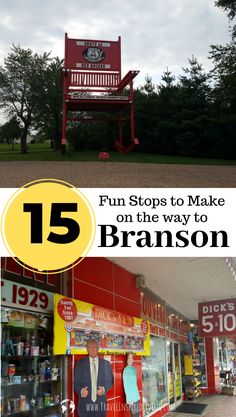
column 93, row 65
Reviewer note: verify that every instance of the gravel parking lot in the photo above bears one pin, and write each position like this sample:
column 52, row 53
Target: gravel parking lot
column 114, row 174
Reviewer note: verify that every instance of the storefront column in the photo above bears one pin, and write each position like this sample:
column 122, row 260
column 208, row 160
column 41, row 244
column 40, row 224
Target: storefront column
column 212, row 372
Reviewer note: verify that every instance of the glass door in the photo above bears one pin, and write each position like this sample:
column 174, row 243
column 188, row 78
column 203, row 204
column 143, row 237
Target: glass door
column 174, row 374
column 178, row 384
column 170, row 374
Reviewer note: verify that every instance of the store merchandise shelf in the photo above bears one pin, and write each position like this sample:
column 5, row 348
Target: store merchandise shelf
column 30, row 382
column 31, row 410
column 25, row 356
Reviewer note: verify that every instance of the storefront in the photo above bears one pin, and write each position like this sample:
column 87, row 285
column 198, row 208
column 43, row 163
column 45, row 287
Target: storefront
column 34, row 381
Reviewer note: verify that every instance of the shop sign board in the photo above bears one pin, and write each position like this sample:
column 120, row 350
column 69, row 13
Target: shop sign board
column 152, row 311
column 158, row 314
column 156, row 330
column 14, row 294
column 161, row 331
column 217, row 318
column 76, row 321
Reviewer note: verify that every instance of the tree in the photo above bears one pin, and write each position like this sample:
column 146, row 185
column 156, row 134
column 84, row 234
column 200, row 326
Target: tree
column 224, row 75
column 194, row 92
column 167, row 113
column 10, row 131
column 148, row 87
column 195, row 79
column 145, row 99
column 227, row 5
column 223, row 96
column 20, row 86
column 49, row 103
column 168, row 79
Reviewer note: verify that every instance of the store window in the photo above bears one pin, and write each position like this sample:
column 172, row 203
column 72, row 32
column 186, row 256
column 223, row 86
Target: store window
column 30, row 373
column 227, row 354
column 154, row 376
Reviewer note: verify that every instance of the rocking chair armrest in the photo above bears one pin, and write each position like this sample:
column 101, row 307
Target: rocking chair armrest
column 125, row 81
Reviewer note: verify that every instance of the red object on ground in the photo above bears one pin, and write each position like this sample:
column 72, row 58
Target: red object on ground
column 103, row 155
column 92, row 83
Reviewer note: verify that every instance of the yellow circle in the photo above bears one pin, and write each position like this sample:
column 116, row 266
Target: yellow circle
column 27, row 232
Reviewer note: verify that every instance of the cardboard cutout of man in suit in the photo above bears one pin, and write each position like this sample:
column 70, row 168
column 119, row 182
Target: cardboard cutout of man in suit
column 93, row 393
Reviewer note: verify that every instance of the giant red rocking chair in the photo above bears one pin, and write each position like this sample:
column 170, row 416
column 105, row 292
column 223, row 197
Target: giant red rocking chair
column 92, row 82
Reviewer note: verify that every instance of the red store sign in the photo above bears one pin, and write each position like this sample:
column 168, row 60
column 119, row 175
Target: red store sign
column 152, row 311
column 217, row 318
column 156, row 330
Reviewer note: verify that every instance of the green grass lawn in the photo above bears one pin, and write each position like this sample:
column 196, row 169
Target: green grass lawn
column 42, row 152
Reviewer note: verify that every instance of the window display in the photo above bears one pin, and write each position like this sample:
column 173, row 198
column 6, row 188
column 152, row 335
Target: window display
column 30, row 374
column 154, row 376
column 227, row 355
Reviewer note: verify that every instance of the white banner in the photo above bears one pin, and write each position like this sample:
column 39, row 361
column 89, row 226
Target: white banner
column 158, row 221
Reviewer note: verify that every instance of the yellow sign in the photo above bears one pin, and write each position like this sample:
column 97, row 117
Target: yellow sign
column 188, row 365
column 76, row 321
column 48, row 225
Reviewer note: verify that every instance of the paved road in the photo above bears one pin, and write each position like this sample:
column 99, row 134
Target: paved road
column 113, row 174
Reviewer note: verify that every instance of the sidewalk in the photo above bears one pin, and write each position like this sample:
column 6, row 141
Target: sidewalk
column 218, row 406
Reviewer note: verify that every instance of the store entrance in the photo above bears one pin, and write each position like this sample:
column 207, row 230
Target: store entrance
column 174, row 374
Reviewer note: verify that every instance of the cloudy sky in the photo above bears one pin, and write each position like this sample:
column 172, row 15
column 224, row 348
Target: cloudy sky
column 154, row 33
